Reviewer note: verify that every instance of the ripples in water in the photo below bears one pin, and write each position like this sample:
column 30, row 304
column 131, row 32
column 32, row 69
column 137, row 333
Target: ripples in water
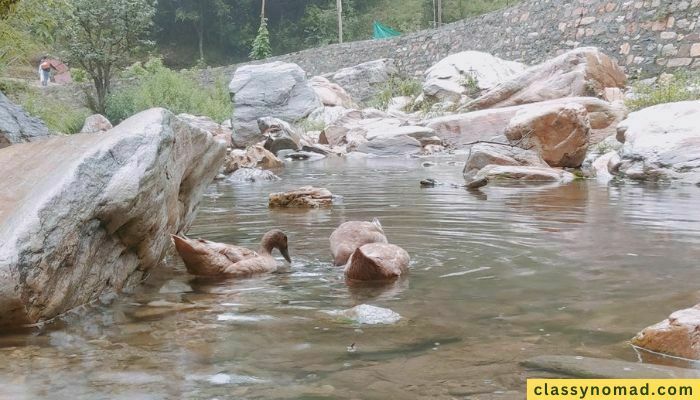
column 497, row 276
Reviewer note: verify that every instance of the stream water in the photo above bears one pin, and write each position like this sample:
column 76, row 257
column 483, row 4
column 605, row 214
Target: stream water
column 498, row 276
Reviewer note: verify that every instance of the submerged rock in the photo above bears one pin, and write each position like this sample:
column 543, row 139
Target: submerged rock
column 584, row 71
column 368, row 315
column 304, row 197
column 252, row 175
column 678, row 335
column 252, row 157
column 85, row 215
column 16, row 126
column 278, row 89
column 661, row 143
column 587, row 367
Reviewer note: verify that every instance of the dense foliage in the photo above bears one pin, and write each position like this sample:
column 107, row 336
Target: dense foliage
column 153, row 85
column 261, row 44
column 103, row 36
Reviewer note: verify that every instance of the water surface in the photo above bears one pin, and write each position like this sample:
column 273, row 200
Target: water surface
column 498, row 276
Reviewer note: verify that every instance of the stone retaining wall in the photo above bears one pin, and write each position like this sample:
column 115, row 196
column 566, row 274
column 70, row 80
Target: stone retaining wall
column 645, row 36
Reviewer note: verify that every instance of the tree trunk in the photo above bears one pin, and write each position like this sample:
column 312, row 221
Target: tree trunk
column 439, row 13
column 340, row 20
column 200, row 35
column 262, row 10
column 434, row 16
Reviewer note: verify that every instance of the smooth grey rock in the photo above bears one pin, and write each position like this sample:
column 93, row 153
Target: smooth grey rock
column 84, row 215
column 661, row 143
column 391, row 146
column 445, row 81
column 495, row 173
column 483, row 154
column 16, row 126
column 275, row 89
column 362, row 81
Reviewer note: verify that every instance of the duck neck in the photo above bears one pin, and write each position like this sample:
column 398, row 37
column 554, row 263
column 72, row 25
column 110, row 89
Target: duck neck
column 266, row 248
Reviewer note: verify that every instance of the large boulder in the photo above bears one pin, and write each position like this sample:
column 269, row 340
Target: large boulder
column 96, row 123
column 559, row 133
column 662, row 142
column 451, row 77
column 16, row 126
column 85, row 215
column 675, row 336
column 462, row 130
column 276, row 89
column 331, row 94
column 585, row 71
column 362, row 81
column 483, row 154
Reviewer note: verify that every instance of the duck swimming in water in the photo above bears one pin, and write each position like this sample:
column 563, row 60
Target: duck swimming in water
column 353, row 234
column 377, row 262
column 206, row 258
column 362, row 247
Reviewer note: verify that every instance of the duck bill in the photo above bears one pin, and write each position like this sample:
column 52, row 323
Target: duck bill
column 285, row 254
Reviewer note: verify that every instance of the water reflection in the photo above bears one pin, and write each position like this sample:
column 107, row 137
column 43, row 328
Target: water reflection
column 498, row 276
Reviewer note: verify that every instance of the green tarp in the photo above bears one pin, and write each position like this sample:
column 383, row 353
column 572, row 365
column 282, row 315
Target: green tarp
column 382, row 31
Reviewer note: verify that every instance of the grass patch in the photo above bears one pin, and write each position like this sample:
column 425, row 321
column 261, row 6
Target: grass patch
column 395, row 87
column 154, row 85
column 59, row 116
column 680, row 86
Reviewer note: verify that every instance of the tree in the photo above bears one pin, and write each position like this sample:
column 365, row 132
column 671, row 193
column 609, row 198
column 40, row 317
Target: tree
column 103, row 36
column 201, row 13
column 261, row 44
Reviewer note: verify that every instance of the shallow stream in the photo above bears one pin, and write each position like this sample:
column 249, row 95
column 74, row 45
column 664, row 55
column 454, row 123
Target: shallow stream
column 498, row 276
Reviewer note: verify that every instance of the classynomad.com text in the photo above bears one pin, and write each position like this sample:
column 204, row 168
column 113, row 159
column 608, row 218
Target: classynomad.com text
column 613, row 389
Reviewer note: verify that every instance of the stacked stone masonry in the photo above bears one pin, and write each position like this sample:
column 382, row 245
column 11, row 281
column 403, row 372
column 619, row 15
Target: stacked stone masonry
column 647, row 37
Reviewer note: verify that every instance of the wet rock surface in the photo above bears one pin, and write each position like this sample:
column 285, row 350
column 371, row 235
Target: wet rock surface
column 678, row 335
column 304, row 197
column 92, row 214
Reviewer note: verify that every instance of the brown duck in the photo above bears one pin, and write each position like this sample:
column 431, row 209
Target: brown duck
column 377, row 262
column 206, row 258
column 353, row 234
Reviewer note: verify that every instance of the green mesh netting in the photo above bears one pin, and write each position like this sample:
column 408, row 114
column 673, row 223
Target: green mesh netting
column 382, row 31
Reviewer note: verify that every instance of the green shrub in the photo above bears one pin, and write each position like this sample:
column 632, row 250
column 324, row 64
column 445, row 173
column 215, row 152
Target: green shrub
column 668, row 89
column 57, row 116
column 79, row 75
column 157, row 86
column 395, row 87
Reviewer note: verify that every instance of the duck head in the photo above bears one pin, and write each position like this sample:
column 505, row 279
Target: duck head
column 275, row 239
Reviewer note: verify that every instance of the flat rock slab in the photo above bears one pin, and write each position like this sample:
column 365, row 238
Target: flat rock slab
column 85, row 215
column 586, row 367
